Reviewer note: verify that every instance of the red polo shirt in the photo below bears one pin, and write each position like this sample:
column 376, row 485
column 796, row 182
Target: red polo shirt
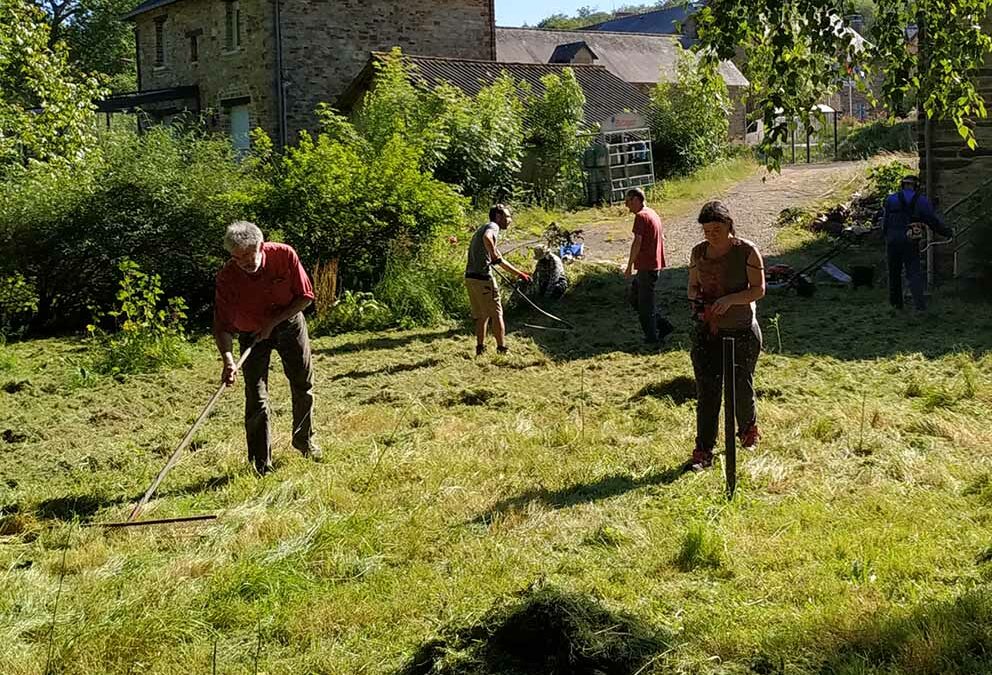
column 651, row 256
column 245, row 303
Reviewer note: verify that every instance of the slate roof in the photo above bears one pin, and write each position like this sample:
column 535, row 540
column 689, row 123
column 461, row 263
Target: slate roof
column 606, row 94
column 633, row 57
column 663, row 20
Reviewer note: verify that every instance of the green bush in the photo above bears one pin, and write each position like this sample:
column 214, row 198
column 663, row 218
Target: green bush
column 149, row 337
column 161, row 199
column 337, row 197
column 884, row 179
column 554, row 125
column 884, row 135
column 354, row 311
column 689, row 119
column 425, row 291
column 7, row 360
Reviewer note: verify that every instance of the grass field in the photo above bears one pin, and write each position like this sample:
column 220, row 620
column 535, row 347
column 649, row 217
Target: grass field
column 513, row 514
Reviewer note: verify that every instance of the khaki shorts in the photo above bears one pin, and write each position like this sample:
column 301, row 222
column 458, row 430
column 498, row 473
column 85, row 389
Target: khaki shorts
column 484, row 298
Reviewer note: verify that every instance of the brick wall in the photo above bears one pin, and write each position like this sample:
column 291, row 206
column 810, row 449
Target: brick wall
column 327, row 42
column 246, row 73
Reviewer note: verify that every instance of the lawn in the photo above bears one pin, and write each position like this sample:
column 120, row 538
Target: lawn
column 480, row 515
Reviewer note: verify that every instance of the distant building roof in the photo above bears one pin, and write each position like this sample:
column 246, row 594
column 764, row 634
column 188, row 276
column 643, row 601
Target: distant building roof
column 633, row 57
column 147, row 6
column 606, row 94
column 664, row 21
column 565, row 53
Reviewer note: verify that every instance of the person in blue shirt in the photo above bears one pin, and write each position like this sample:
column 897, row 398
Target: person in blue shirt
column 903, row 216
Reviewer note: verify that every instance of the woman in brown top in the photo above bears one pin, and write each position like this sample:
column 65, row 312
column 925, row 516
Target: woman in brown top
column 726, row 277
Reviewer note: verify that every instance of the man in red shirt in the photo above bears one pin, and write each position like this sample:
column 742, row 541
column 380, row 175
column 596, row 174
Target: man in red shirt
column 647, row 257
column 260, row 295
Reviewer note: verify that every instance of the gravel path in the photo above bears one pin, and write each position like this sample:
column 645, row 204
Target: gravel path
column 755, row 204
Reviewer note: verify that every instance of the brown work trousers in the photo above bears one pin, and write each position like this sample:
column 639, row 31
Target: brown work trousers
column 292, row 342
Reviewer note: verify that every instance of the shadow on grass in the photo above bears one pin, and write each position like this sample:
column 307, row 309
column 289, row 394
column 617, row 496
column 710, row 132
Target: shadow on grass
column 386, row 370
column 581, row 493
column 842, row 322
column 544, row 632
column 375, row 343
column 952, row 637
column 680, row 390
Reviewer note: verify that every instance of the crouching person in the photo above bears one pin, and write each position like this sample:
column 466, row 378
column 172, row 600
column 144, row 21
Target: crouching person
column 726, row 278
column 261, row 293
column 549, row 274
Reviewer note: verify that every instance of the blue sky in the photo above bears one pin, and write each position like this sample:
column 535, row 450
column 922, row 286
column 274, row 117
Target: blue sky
column 518, row 12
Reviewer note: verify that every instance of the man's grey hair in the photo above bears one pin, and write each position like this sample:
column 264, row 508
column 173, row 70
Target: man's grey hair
column 241, row 235
column 637, row 192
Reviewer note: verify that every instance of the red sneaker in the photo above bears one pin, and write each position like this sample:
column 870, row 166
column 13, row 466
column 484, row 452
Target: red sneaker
column 701, row 459
column 749, row 437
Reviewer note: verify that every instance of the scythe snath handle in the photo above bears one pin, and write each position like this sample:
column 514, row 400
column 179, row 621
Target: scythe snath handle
column 174, row 458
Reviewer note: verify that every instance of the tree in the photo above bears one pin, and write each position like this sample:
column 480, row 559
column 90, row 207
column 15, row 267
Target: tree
column 800, row 49
column 689, row 118
column 99, row 42
column 587, row 16
column 554, row 122
column 46, row 105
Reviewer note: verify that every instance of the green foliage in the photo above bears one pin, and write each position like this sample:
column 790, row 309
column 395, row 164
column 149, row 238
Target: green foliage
column 485, row 140
column 554, row 123
column 7, row 360
column 700, row 548
column 884, row 179
column 161, row 199
column 149, row 337
column 46, row 106
column 798, row 50
column 688, row 117
column 883, row 135
column 18, row 300
column 354, row 311
column 337, row 196
column 425, row 291
column 100, row 43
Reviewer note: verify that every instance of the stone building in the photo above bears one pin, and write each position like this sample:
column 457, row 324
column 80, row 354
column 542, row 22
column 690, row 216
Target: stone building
column 269, row 63
column 640, row 59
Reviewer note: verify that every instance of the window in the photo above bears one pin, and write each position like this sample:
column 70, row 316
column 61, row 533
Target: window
column 232, row 25
column 194, row 49
column 160, row 41
column 240, row 128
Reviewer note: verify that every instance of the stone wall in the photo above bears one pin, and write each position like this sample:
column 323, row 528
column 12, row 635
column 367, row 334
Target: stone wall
column 962, row 177
column 244, row 75
column 327, row 42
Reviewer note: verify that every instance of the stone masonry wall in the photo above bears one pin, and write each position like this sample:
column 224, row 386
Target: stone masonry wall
column 962, row 174
column 245, row 73
column 327, row 42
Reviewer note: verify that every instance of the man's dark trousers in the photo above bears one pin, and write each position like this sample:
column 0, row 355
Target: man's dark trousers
column 905, row 254
column 642, row 299
column 292, row 342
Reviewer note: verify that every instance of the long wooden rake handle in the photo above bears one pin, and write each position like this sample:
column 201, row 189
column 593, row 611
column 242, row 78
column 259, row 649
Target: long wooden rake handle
column 186, row 440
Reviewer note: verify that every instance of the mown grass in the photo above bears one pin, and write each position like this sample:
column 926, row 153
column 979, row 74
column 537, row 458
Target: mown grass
column 672, row 198
column 858, row 541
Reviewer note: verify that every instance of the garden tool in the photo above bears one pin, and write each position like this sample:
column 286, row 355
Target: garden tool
column 174, row 457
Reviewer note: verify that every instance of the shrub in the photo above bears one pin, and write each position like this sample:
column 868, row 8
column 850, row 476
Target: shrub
column 161, row 199
column 485, row 146
column 425, row 291
column 18, row 301
column 689, row 118
column 149, row 337
column 884, row 135
column 336, row 197
column 884, row 179
column 7, row 360
column 353, row 311
column 554, row 123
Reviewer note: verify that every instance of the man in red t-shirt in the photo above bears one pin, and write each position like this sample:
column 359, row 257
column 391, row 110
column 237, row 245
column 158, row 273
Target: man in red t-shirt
column 647, row 259
column 260, row 295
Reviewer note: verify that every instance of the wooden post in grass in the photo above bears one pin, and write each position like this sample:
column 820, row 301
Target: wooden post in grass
column 729, row 409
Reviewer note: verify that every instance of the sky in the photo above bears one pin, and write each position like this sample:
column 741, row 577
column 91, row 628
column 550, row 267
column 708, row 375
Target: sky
column 519, row 12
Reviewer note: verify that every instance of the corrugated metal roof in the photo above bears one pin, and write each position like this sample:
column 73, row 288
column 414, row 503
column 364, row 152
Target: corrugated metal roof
column 633, row 57
column 606, row 94
column 146, row 6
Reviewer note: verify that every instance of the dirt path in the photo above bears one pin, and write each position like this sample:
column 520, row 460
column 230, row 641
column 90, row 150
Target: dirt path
column 755, row 204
